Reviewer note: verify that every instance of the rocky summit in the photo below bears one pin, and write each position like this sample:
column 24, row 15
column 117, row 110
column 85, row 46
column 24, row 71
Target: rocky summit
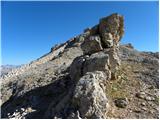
column 89, row 76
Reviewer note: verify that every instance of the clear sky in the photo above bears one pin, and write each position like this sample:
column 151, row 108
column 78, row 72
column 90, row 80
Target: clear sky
column 30, row 29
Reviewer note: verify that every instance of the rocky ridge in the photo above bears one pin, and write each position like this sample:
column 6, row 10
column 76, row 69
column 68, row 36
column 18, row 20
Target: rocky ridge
column 77, row 78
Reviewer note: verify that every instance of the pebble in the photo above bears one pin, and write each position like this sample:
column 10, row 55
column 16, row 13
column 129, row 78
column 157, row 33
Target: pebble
column 143, row 103
column 137, row 111
column 140, row 95
column 121, row 102
column 22, row 109
column 149, row 98
column 144, row 108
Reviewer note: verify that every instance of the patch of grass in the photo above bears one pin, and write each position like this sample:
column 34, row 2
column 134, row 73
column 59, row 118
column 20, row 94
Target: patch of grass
column 116, row 88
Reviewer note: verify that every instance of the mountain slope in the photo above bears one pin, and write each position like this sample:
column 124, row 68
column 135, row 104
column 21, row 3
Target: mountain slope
column 89, row 76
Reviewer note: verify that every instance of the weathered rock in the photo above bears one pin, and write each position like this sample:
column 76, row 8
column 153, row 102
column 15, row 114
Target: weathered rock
column 113, row 25
column 89, row 97
column 141, row 95
column 91, row 45
column 92, row 31
column 76, row 69
column 114, row 61
column 97, row 62
column 149, row 98
column 121, row 102
column 108, row 40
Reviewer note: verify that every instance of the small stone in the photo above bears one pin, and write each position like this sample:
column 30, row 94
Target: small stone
column 29, row 109
column 143, row 104
column 137, row 111
column 121, row 102
column 22, row 109
column 149, row 98
column 144, row 108
column 140, row 95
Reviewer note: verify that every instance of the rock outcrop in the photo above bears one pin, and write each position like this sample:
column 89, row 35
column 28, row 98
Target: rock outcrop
column 86, row 77
column 98, row 64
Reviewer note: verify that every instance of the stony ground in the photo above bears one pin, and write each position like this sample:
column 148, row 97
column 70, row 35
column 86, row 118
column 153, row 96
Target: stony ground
column 138, row 83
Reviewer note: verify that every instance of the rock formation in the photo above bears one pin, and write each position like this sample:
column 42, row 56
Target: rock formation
column 77, row 79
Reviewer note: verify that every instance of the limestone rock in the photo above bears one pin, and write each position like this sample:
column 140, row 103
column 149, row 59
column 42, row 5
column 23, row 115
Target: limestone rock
column 108, row 40
column 97, row 62
column 76, row 69
column 114, row 61
column 90, row 97
column 121, row 102
column 113, row 25
column 91, row 45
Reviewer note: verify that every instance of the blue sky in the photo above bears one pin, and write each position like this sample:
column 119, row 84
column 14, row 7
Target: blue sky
column 30, row 29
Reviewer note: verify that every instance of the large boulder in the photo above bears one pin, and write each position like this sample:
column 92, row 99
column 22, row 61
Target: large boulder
column 91, row 45
column 111, row 28
column 96, row 62
column 76, row 68
column 89, row 95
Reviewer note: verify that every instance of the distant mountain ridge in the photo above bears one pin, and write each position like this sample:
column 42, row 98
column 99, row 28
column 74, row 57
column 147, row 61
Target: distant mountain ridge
column 7, row 68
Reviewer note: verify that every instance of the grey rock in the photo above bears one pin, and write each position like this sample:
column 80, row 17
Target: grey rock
column 149, row 98
column 143, row 104
column 91, row 45
column 108, row 40
column 90, row 97
column 114, row 60
column 76, row 69
column 121, row 102
column 97, row 62
column 141, row 95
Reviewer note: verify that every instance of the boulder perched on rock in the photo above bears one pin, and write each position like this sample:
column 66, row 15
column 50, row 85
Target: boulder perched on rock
column 111, row 28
